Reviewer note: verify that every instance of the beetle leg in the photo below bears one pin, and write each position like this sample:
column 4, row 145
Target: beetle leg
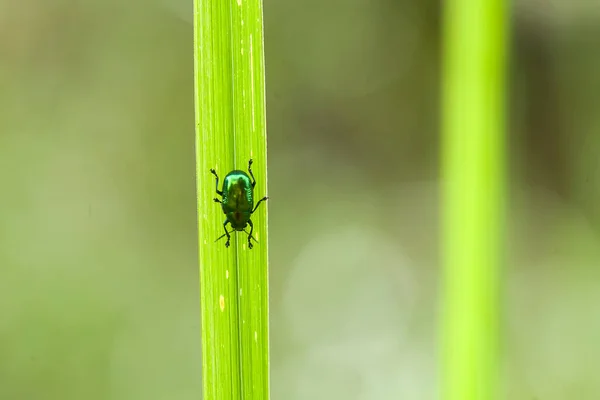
column 252, row 175
column 217, row 200
column 226, row 233
column 250, row 234
column 260, row 201
column 217, row 184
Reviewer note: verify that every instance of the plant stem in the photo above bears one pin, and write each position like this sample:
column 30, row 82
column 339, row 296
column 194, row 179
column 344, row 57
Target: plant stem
column 475, row 41
column 231, row 129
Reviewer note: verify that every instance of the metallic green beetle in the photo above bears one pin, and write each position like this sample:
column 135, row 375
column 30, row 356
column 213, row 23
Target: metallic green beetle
column 237, row 201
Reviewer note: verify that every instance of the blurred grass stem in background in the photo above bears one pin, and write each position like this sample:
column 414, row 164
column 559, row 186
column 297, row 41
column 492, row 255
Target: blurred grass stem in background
column 231, row 129
column 473, row 167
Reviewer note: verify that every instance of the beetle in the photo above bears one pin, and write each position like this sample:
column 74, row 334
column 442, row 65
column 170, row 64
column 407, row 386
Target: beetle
column 237, row 201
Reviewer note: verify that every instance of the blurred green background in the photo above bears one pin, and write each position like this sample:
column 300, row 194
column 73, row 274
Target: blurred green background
column 98, row 260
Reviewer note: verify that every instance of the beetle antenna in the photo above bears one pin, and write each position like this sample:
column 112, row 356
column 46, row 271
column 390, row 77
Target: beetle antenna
column 223, row 235
column 251, row 237
column 220, row 237
column 232, row 231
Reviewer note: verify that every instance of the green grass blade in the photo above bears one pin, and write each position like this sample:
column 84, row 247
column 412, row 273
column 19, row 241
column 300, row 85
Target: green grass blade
column 231, row 129
column 475, row 39
column 250, row 138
